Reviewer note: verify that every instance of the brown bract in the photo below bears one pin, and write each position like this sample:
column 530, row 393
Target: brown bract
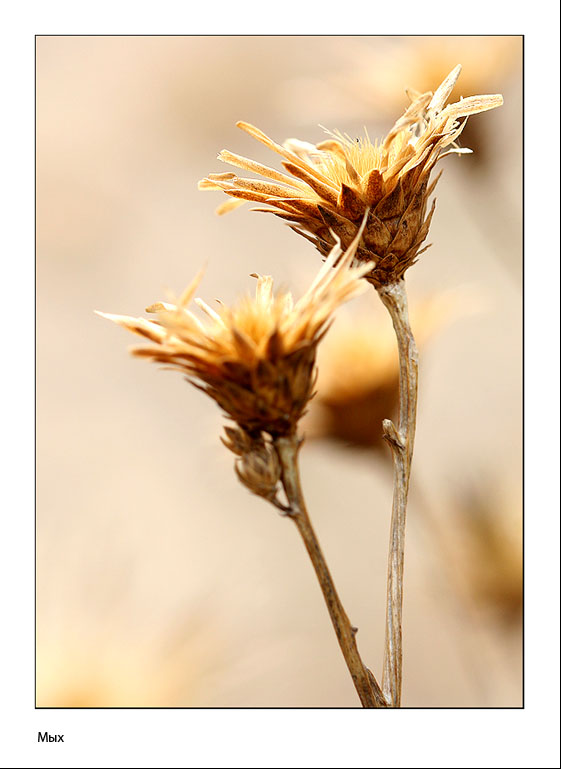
column 330, row 186
column 256, row 359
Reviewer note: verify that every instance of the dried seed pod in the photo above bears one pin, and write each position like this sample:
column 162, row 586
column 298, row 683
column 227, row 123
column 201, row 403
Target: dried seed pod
column 237, row 440
column 259, row 469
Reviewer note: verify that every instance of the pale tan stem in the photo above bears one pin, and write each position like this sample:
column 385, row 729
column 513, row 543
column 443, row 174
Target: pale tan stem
column 401, row 441
column 366, row 685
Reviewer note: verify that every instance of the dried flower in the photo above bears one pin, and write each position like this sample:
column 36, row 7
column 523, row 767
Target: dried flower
column 256, row 359
column 351, row 408
column 333, row 184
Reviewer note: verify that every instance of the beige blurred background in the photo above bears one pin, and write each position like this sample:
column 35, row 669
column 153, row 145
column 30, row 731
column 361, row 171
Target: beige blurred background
column 160, row 580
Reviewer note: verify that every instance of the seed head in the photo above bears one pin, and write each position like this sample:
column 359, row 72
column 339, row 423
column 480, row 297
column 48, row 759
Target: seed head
column 330, row 186
column 256, row 359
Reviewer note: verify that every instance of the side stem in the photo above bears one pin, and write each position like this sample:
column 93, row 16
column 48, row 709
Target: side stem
column 366, row 685
column 401, row 441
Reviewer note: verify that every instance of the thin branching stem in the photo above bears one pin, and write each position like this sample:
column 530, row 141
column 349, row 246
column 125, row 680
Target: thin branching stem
column 401, row 441
column 366, row 685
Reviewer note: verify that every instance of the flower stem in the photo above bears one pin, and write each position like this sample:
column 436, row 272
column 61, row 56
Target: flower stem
column 366, row 685
column 401, row 441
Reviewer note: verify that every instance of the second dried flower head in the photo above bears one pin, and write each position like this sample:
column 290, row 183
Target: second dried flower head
column 255, row 359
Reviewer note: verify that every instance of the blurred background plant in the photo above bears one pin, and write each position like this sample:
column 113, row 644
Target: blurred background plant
column 133, row 537
column 358, row 370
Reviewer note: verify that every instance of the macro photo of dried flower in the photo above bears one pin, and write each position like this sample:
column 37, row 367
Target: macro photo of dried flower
column 366, row 550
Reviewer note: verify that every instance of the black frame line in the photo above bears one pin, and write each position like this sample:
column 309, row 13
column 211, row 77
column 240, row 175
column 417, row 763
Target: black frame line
column 523, row 233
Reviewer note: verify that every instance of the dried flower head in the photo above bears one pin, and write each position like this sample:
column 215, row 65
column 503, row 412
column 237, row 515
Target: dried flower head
column 350, row 408
column 256, row 359
column 334, row 183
